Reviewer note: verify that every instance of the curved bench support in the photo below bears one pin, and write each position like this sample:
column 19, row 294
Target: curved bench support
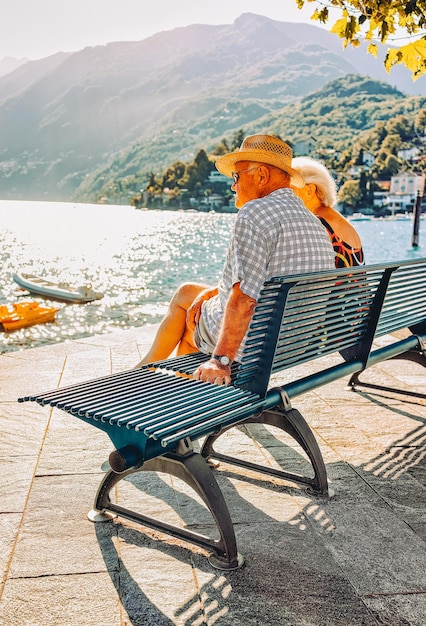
column 416, row 356
column 195, row 472
column 293, row 423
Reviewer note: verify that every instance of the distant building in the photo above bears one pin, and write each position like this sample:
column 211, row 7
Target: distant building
column 380, row 195
column 410, row 154
column 356, row 170
column 368, row 159
column 212, row 202
column 217, row 177
column 363, row 163
column 305, row 147
column 403, row 191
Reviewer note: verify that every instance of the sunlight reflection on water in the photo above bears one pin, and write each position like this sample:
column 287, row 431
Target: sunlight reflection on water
column 136, row 258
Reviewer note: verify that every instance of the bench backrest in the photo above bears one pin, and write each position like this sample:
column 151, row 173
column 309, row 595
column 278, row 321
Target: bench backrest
column 304, row 317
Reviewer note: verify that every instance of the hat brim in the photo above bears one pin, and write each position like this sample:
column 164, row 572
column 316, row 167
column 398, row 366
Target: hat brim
column 226, row 164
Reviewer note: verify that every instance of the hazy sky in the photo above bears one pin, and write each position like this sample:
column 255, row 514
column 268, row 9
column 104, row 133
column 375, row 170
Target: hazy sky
column 39, row 28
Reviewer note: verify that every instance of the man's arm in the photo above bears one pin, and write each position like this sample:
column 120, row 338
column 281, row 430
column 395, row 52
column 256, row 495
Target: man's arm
column 238, row 312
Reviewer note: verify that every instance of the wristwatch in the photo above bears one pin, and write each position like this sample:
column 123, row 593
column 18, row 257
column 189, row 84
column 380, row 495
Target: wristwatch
column 223, row 359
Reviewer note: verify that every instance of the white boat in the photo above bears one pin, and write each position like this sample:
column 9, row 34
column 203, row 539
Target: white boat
column 359, row 217
column 60, row 291
column 402, row 217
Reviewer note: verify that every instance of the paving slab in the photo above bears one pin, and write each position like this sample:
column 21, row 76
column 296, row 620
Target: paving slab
column 358, row 558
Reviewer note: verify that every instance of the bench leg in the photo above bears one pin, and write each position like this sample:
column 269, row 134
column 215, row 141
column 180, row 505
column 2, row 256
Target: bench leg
column 194, row 470
column 293, row 423
column 355, row 383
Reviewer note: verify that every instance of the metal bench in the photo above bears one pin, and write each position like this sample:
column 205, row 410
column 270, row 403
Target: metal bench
column 154, row 415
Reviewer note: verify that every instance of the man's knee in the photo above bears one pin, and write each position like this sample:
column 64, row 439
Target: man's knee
column 185, row 294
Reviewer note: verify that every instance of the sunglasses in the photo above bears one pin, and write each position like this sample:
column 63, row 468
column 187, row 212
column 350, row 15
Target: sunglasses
column 236, row 175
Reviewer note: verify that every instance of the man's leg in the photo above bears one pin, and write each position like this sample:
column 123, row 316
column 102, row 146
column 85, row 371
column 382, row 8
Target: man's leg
column 173, row 331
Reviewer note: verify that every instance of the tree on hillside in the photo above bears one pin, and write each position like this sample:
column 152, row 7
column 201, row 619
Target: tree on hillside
column 391, row 144
column 374, row 20
column 221, row 148
column 392, row 165
column 203, row 164
column 350, row 194
column 191, row 180
column 420, row 122
column 152, row 183
column 402, row 126
column 237, row 139
column 173, row 175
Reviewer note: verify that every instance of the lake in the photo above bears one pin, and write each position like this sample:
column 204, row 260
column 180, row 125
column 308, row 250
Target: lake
column 136, row 258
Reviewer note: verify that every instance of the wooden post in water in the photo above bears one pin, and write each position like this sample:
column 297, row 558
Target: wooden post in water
column 416, row 221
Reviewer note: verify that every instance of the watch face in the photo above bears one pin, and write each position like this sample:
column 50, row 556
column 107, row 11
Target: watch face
column 223, row 359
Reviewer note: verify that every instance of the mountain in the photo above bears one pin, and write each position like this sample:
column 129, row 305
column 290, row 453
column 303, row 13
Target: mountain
column 8, row 64
column 66, row 116
column 27, row 74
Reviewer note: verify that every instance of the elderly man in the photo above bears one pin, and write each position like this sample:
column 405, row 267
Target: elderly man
column 274, row 235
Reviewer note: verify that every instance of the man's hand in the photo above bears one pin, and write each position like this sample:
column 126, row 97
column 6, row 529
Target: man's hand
column 213, row 372
column 194, row 311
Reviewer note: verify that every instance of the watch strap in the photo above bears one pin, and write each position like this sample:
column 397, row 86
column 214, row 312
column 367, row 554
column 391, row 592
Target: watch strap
column 222, row 358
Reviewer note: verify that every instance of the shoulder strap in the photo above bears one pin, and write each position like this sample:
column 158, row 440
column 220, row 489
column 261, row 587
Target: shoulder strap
column 327, row 225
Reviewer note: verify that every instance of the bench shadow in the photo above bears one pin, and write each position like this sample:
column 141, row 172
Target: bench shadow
column 211, row 601
column 136, row 604
column 405, row 454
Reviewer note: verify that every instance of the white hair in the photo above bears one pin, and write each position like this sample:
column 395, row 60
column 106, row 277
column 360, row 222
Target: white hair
column 315, row 172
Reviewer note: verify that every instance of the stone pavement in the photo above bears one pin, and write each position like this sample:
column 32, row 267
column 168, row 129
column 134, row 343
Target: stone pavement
column 356, row 559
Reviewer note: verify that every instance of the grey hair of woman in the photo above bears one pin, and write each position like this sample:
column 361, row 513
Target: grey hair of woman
column 315, row 172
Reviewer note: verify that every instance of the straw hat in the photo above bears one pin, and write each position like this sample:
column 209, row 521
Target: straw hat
column 261, row 149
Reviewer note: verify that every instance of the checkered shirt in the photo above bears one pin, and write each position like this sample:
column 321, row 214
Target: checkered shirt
column 272, row 236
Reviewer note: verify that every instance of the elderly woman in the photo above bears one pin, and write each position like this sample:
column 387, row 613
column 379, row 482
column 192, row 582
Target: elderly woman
column 319, row 196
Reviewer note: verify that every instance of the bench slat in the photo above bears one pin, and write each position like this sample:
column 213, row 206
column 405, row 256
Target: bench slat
column 163, row 406
column 405, row 300
column 217, row 422
column 52, row 393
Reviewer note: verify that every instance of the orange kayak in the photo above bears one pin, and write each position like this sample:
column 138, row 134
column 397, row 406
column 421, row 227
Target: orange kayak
column 24, row 314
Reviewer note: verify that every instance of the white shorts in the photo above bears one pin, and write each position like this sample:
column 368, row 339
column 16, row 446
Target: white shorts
column 202, row 338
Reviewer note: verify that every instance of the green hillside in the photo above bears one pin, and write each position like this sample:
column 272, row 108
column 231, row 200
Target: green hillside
column 337, row 117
